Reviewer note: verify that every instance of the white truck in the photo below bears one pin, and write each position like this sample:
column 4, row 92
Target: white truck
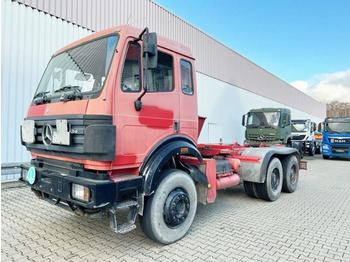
column 303, row 131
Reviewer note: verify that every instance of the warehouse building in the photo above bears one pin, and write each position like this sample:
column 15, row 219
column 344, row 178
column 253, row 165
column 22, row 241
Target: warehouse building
column 228, row 84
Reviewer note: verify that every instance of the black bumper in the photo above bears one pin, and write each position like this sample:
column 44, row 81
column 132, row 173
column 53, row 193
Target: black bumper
column 54, row 183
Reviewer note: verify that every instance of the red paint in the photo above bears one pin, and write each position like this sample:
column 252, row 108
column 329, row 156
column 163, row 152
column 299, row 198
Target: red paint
column 155, row 117
column 229, row 180
column 235, row 164
column 34, row 111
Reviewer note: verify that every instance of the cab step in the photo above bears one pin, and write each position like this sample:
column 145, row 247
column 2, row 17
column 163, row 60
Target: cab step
column 125, row 228
column 127, row 203
column 129, row 224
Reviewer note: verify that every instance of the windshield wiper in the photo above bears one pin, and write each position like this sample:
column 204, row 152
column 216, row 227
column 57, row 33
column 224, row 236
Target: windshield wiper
column 67, row 87
column 41, row 94
column 73, row 92
column 41, row 98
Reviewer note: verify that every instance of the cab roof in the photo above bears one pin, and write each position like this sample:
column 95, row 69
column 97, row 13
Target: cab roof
column 127, row 31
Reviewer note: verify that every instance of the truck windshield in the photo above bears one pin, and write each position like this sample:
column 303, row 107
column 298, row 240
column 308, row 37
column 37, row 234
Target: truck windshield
column 338, row 127
column 299, row 127
column 263, row 119
column 82, row 69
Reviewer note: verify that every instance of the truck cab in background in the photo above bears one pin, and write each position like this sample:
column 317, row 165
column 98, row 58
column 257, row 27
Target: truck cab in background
column 335, row 137
column 303, row 131
column 267, row 126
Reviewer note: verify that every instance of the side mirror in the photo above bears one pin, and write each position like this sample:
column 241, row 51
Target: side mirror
column 150, row 49
column 244, row 119
column 319, row 127
column 150, row 53
column 313, row 127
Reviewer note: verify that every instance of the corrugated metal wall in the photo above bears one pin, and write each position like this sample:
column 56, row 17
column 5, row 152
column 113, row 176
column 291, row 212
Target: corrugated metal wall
column 29, row 38
column 33, row 30
column 213, row 58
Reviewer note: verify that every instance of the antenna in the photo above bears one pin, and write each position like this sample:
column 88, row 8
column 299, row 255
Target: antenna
column 127, row 21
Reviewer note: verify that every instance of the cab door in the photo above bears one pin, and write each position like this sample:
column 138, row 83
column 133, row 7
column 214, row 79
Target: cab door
column 139, row 131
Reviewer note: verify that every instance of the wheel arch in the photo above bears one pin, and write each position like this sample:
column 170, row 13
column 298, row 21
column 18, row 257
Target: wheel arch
column 256, row 172
column 165, row 151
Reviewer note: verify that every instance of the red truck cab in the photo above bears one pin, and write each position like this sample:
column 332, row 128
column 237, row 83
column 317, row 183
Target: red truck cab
column 114, row 125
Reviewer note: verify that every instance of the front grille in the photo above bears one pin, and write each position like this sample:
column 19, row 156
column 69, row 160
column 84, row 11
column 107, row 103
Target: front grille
column 340, row 149
column 79, row 146
column 299, row 137
column 76, row 129
column 261, row 138
column 339, row 140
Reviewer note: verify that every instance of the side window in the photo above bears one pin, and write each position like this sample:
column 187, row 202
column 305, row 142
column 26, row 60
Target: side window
column 131, row 81
column 160, row 79
column 186, row 77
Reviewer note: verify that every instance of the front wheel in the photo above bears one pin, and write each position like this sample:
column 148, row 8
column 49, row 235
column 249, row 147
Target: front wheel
column 312, row 149
column 271, row 189
column 301, row 150
column 170, row 211
column 325, row 157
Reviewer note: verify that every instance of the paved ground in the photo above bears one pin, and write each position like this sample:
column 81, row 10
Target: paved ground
column 312, row 224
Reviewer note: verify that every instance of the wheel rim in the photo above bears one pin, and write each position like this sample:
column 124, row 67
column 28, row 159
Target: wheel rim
column 176, row 208
column 275, row 179
column 293, row 174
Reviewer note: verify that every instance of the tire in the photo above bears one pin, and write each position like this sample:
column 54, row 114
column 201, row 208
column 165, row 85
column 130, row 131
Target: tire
column 271, row 189
column 290, row 174
column 325, row 157
column 318, row 149
column 250, row 189
column 169, row 212
column 301, row 150
column 312, row 149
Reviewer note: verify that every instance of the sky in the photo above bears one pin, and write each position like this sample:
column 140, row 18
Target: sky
column 304, row 42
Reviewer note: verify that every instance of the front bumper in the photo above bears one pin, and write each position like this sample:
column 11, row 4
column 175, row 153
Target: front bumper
column 54, row 183
column 336, row 150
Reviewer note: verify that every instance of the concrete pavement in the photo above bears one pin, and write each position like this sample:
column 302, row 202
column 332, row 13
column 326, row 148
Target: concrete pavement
column 312, row 224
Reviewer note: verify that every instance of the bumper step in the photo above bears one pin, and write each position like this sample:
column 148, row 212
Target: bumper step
column 129, row 225
column 125, row 228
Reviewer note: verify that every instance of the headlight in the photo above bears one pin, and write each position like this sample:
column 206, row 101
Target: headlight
column 81, row 193
column 28, row 131
column 325, row 147
column 24, row 175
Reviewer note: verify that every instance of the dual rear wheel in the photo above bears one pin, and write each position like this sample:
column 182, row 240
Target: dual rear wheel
column 280, row 176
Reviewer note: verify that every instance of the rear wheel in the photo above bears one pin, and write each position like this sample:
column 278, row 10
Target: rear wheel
column 271, row 189
column 170, row 211
column 250, row 189
column 290, row 174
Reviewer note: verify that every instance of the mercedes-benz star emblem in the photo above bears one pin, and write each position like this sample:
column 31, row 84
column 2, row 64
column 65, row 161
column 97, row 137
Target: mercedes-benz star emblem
column 261, row 137
column 47, row 135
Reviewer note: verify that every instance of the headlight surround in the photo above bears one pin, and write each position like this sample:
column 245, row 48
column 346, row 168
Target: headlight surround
column 325, row 147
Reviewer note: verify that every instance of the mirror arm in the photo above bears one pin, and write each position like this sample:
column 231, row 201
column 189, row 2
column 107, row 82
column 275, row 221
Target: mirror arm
column 142, row 33
column 138, row 102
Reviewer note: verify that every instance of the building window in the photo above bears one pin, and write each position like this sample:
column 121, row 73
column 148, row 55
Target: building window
column 186, row 77
column 131, row 81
